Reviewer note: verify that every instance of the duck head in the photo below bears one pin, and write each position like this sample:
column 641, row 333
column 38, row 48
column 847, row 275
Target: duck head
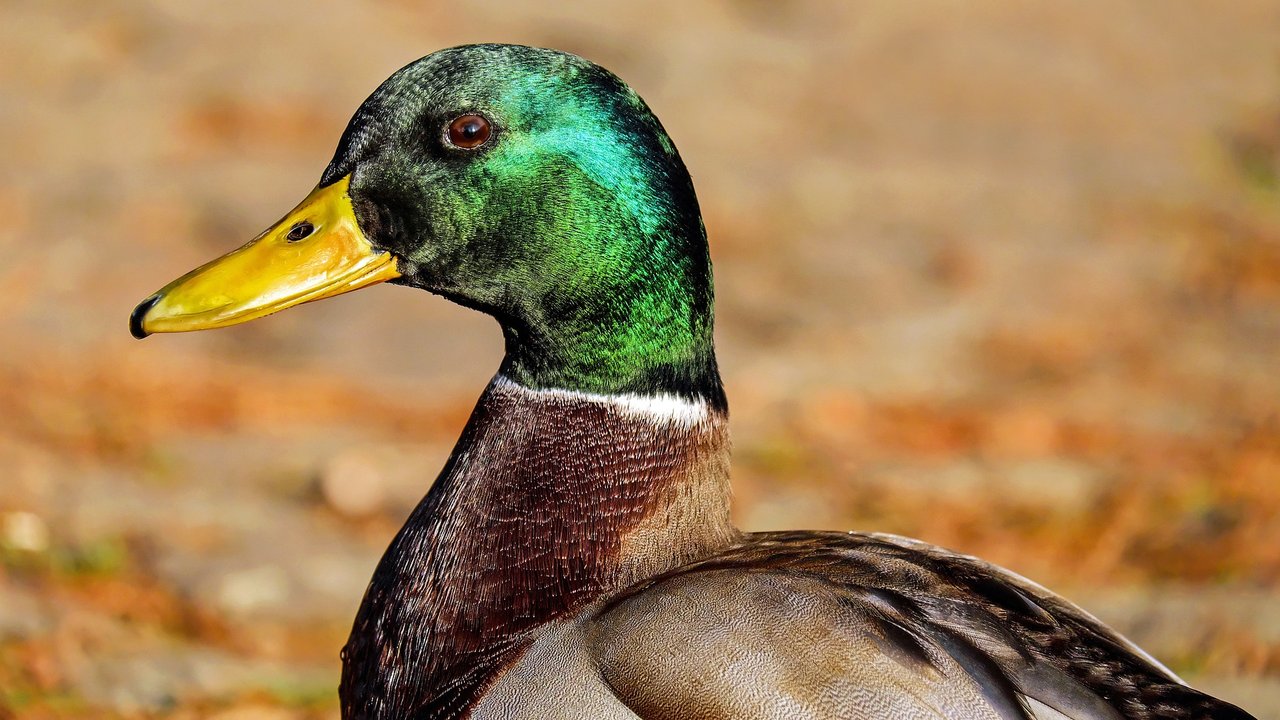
column 526, row 183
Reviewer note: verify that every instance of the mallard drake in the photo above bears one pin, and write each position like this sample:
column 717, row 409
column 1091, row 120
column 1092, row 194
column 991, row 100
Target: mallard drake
column 575, row 557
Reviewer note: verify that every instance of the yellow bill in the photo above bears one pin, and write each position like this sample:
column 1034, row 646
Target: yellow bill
column 316, row 251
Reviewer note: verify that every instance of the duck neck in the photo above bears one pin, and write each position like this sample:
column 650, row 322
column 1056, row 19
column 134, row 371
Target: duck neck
column 551, row 500
column 645, row 334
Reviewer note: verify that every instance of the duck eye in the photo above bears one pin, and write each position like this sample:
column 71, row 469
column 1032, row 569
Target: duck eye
column 299, row 231
column 469, row 131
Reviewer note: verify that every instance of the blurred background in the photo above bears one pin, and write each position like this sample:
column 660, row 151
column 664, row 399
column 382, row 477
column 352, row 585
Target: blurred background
column 1004, row 277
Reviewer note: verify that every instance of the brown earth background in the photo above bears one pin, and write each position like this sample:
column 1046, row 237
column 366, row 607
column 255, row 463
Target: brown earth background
column 1001, row 276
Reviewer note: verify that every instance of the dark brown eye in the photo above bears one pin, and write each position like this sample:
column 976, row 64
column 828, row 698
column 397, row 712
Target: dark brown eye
column 299, row 231
column 469, row 131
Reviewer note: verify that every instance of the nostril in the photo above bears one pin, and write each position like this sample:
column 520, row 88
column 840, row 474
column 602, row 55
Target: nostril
column 299, row 231
column 140, row 312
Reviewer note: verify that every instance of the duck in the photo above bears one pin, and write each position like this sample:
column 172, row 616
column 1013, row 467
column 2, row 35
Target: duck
column 575, row 557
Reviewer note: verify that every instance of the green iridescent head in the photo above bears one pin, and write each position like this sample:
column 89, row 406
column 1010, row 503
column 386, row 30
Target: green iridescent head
column 537, row 187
